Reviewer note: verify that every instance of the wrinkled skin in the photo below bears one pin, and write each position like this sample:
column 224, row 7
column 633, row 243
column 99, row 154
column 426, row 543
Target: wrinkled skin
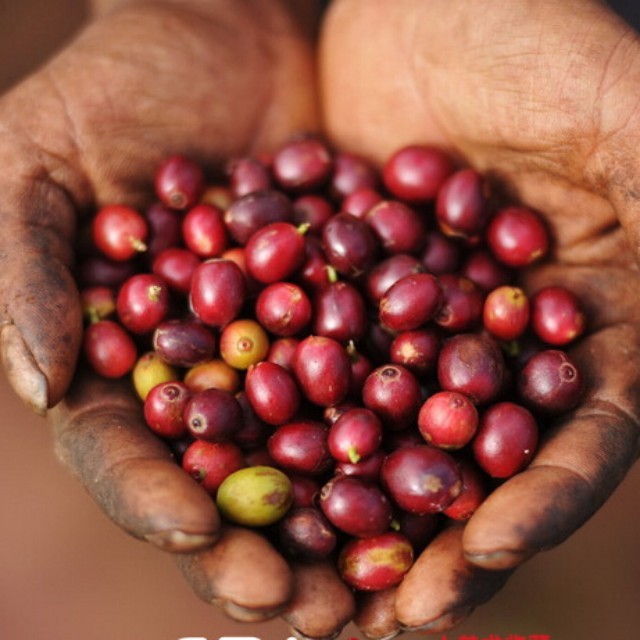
column 539, row 94
column 542, row 96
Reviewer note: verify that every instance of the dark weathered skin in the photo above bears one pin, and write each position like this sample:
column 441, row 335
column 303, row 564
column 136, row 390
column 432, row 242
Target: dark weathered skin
column 552, row 114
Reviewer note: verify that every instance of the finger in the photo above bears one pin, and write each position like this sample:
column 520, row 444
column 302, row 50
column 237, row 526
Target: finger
column 376, row 614
column 322, row 603
column 442, row 587
column 99, row 433
column 242, row 573
column 40, row 317
column 578, row 465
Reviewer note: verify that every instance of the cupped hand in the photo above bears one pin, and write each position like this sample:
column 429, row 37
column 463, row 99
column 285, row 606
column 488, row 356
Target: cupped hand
column 211, row 80
column 542, row 96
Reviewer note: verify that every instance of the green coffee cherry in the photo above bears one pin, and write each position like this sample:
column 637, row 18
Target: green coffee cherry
column 255, row 496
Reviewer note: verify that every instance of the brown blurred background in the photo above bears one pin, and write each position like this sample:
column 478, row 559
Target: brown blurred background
column 66, row 572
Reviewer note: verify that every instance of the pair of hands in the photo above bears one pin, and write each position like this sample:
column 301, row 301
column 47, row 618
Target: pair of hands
column 540, row 94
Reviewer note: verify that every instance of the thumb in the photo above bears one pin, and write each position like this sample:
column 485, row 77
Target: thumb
column 40, row 315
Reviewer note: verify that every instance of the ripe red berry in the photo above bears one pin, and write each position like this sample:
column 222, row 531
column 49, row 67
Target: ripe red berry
column 109, row 349
column 376, row 563
column 506, row 312
column 272, row 392
column 421, row 479
column 179, row 182
column 416, row 173
column 275, row 252
column 411, row 302
column 143, row 302
column 218, row 292
column 556, row 316
column 120, row 232
column 204, row 231
column 506, row 440
column 461, row 207
column 448, row 420
column 518, row 237
column 164, row 409
column 322, row 369
column 356, row 507
column 209, row 463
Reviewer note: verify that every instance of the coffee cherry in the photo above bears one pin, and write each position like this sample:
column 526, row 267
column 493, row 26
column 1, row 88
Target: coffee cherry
column 109, row 349
column 421, row 479
column 517, row 237
column 355, row 435
column 275, row 252
column 164, row 409
column 218, row 292
column 461, row 304
column 411, row 302
column 472, row 364
column 143, row 303
column 340, row 313
column 398, row 227
column 204, row 231
column 556, row 316
column 176, row 266
column 255, row 496
column 301, row 447
column 183, row 343
column 551, row 382
column 272, row 392
column 323, row 371
column 361, row 201
column 416, row 173
column 387, row 272
column 313, row 211
column 506, row 440
column 305, row 533
column 393, row 393
column 165, row 229
column 212, row 374
column 375, row 563
column 283, row 308
column 210, row 463
column 506, row 312
column 416, row 350
column 461, row 207
column 355, row 507
column 243, row 343
column 349, row 245
column 255, row 210
column 247, row 175
column 474, row 491
column 448, row 420
column 179, row 182
column 213, row 415
column 120, row 232
column 350, row 173
column 302, row 164
column 150, row 370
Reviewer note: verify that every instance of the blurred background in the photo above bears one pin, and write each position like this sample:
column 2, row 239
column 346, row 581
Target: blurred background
column 66, row 572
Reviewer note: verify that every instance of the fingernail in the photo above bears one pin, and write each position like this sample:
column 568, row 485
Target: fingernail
column 443, row 623
column 502, row 559
column 387, row 637
column 23, row 373
column 180, row 541
column 301, row 636
column 243, row 614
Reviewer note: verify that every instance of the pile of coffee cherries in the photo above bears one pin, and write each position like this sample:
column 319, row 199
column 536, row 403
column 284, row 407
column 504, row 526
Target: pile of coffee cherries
column 341, row 356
